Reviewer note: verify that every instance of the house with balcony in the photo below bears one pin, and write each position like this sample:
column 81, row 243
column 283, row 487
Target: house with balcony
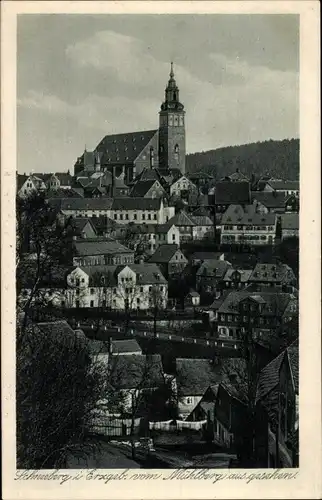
column 246, row 226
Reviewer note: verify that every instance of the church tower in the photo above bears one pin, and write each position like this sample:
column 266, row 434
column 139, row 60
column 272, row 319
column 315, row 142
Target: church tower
column 172, row 136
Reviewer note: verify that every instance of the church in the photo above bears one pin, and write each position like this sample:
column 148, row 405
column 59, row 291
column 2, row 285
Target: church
column 136, row 153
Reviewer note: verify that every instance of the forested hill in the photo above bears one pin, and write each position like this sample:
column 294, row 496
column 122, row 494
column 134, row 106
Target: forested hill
column 278, row 159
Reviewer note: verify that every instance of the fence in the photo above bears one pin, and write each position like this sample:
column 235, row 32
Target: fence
column 113, row 427
column 177, row 425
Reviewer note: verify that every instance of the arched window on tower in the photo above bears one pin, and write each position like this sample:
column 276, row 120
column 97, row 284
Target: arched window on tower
column 174, row 96
column 176, row 153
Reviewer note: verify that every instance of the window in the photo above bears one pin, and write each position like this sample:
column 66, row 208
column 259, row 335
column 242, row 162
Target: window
column 138, row 301
column 135, row 216
column 143, row 216
column 161, row 288
column 115, row 216
column 92, row 291
column 149, row 216
column 63, row 303
column 121, row 216
column 127, row 216
column 141, row 289
column 155, row 216
column 91, row 303
column 77, row 292
column 188, row 401
column 77, row 281
column 77, row 303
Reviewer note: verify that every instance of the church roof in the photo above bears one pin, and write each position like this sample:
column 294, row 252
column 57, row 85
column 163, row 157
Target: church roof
column 124, row 148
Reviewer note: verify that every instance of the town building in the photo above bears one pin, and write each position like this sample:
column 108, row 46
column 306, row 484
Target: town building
column 116, row 287
column 181, row 186
column 98, row 252
column 148, row 189
column 272, row 275
column 269, row 201
column 286, row 187
column 290, row 225
column 210, row 274
column 268, row 310
column 193, row 377
column 170, row 259
column 246, row 226
column 228, row 193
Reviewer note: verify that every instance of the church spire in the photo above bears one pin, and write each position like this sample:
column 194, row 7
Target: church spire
column 171, row 71
column 171, row 100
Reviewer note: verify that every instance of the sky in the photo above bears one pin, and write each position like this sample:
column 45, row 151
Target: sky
column 81, row 77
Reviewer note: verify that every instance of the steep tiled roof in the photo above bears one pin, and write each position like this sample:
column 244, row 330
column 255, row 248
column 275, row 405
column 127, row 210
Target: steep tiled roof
column 21, row 179
column 86, row 248
column 236, row 215
column 284, row 185
column 64, row 193
column 149, row 174
column 244, row 274
column 194, row 376
column 136, row 371
column 141, row 188
column 125, row 346
column 270, row 199
column 136, row 203
column 201, row 211
column 64, row 178
column 164, row 254
column 124, row 148
column 78, row 224
column 181, row 219
column 275, row 303
column 227, row 192
column 272, row 273
column 269, row 376
column 293, row 354
column 84, row 203
column 201, row 220
column 60, row 331
column 290, row 221
column 238, row 176
column 213, row 268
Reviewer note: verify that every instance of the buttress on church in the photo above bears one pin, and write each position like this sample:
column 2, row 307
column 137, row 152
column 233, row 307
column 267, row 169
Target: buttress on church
column 132, row 154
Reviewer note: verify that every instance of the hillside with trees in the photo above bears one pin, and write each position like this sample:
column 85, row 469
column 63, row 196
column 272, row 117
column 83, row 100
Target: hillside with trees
column 278, row 159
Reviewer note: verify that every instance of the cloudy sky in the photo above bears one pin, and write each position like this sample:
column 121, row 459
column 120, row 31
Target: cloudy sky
column 80, row 77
